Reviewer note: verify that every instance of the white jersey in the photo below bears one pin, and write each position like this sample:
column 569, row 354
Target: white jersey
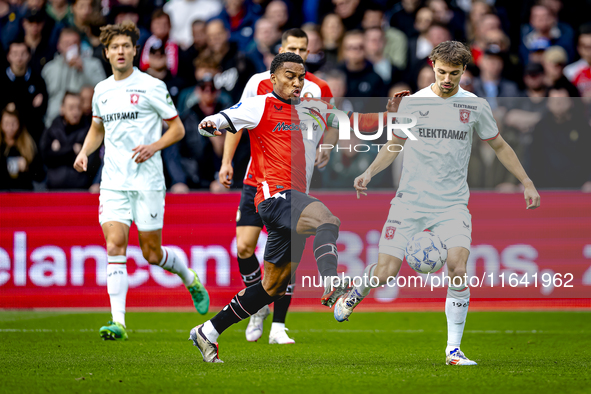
column 436, row 164
column 132, row 111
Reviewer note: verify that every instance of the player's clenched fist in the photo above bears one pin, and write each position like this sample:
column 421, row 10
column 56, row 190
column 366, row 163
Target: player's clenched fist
column 207, row 129
column 81, row 162
column 360, row 184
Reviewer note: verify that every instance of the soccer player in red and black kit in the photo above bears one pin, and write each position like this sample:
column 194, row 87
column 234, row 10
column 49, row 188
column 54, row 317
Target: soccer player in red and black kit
column 248, row 221
column 284, row 153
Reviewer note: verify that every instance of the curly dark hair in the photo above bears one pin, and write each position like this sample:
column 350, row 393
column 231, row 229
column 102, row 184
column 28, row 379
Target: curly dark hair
column 285, row 57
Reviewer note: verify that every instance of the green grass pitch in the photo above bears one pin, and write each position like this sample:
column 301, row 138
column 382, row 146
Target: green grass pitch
column 517, row 352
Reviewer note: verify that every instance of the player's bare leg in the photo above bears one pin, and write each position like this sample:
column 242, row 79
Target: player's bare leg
column 165, row 257
column 246, row 242
column 116, row 237
column 374, row 276
column 248, row 263
column 456, row 305
column 247, row 302
column 317, row 219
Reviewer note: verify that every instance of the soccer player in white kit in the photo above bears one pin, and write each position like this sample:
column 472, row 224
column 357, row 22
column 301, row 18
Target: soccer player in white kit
column 128, row 109
column 433, row 192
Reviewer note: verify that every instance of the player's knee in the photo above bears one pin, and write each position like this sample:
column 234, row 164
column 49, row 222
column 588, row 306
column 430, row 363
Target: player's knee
column 385, row 271
column 152, row 254
column 244, row 249
column 456, row 271
column 116, row 247
column 332, row 219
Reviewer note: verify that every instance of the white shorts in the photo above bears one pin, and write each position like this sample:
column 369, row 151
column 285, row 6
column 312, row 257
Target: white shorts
column 453, row 226
column 144, row 207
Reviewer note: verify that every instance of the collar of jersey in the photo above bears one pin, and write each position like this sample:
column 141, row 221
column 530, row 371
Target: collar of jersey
column 435, row 95
column 122, row 81
column 290, row 102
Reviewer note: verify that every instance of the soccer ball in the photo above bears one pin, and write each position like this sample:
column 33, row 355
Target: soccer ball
column 425, row 253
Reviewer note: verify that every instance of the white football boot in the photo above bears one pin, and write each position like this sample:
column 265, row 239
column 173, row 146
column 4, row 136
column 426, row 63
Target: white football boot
column 456, row 357
column 254, row 330
column 345, row 305
column 279, row 336
column 209, row 350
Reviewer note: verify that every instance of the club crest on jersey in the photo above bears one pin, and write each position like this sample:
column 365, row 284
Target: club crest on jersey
column 464, row 115
column 389, row 234
column 308, row 94
column 135, row 98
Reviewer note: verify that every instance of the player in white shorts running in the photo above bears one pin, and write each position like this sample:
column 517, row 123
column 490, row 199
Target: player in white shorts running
column 433, row 192
column 128, row 109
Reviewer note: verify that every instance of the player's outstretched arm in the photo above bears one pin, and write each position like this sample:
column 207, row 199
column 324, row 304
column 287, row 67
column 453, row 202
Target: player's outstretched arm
column 175, row 133
column 92, row 142
column 384, row 158
column 226, row 170
column 509, row 159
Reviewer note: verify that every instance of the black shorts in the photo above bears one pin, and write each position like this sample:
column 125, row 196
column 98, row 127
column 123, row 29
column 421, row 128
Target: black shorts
column 247, row 214
column 281, row 214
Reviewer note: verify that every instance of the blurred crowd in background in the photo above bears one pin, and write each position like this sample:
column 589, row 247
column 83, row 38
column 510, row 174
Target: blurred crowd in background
column 531, row 59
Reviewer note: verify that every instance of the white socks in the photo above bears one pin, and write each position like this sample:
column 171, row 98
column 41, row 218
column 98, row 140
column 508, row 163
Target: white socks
column 117, row 286
column 117, row 282
column 456, row 310
column 365, row 287
column 171, row 263
column 210, row 332
column 277, row 327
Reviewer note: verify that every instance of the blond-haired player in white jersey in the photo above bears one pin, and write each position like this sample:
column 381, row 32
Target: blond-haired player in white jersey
column 128, row 109
column 433, row 193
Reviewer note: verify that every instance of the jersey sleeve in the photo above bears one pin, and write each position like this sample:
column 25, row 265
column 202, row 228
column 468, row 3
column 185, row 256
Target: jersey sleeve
column 96, row 113
column 250, row 90
column 246, row 114
column 486, row 126
column 162, row 103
